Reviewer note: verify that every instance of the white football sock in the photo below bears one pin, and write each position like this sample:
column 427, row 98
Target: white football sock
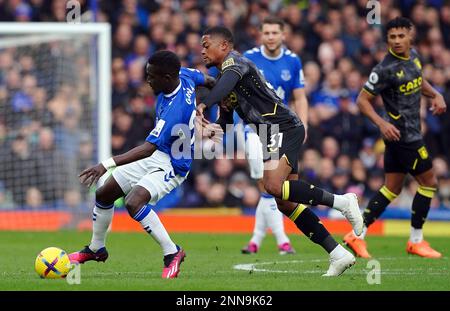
column 259, row 232
column 338, row 252
column 416, row 235
column 274, row 219
column 152, row 224
column 102, row 218
column 340, row 202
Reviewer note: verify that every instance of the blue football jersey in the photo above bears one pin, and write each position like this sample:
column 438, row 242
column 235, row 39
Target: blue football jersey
column 175, row 113
column 284, row 72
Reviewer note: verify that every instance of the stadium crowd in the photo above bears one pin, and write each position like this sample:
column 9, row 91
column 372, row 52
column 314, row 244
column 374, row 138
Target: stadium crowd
column 338, row 49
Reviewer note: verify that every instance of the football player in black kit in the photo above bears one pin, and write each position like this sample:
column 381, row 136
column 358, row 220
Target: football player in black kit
column 398, row 79
column 246, row 91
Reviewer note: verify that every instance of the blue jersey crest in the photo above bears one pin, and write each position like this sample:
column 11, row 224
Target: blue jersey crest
column 284, row 72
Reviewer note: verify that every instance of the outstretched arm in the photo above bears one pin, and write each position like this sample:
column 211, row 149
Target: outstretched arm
column 438, row 105
column 223, row 87
column 210, row 82
column 91, row 175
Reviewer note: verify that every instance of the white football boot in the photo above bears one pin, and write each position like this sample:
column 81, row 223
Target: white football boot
column 339, row 265
column 353, row 214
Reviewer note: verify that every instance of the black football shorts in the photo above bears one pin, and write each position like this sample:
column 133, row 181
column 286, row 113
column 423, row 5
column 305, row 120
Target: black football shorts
column 405, row 158
column 285, row 144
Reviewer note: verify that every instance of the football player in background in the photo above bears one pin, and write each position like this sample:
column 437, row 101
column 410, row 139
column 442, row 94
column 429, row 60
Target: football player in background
column 398, row 79
column 283, row 70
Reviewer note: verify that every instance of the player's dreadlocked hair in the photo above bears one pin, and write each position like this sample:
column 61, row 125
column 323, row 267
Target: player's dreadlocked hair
column 166, row 61
column 221, row 31
column 398, row 22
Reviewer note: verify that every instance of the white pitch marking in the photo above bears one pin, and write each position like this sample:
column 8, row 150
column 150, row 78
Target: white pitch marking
column 253, row 267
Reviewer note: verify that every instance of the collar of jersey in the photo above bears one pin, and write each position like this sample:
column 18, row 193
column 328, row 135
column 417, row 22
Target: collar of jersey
column 398, row 56
column 174, row 91
column 270, row 57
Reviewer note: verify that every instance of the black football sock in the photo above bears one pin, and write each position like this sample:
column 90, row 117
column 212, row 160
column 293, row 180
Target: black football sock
column 300, row 191
column 312, row 227
column 377, row 205
column 421, row 206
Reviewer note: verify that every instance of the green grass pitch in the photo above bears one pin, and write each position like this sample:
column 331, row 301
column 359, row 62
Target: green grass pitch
column 135, row 263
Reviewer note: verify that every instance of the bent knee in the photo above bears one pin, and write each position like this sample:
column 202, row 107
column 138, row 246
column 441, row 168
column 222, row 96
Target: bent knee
column 133, row 205
column 273, row 188
column 394, row 189
column 432, row 183
column 102, row 196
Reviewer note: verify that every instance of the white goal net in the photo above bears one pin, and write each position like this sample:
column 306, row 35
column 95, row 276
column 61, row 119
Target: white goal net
column 54, row 120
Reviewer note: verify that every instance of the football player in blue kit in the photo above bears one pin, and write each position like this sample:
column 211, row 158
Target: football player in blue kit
column 146, row 173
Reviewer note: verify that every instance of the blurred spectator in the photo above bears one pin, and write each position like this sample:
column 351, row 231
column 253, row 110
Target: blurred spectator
column 86, row 158
column 326, row 172
column 239, row 182
column 330, row 148
column 346, row 125
column 358, row 173
column 143, row 119
column 196, row 196
column 34, row 199
column 310, row 165
column 121, row 140
column 20, row 169
column 6, row 201
column 67, row 134
column 215, row 196
column 374, row 182
column 444, row 190
column 340, row 181
column 367, row 154
column 222, row 169
column 53, row 171
column 326, row 100
column 251, row 197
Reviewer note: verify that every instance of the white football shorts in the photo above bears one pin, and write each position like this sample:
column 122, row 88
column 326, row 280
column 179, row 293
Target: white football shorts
column 154, row 173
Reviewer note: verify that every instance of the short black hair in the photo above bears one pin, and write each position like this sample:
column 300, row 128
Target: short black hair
column 166, row 61
column 221, row 31
column 398, row 22
column 272, row 20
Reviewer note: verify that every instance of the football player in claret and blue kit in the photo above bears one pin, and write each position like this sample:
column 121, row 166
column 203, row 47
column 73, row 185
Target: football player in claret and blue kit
column 246, row 91
column 398, row 79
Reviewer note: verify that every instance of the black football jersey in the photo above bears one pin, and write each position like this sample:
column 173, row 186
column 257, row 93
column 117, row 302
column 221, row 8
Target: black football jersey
column 398, row 80
column 254, row 99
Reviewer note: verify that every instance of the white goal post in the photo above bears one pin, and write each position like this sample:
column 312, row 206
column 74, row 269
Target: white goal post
column 50, row 74
column 47, row 31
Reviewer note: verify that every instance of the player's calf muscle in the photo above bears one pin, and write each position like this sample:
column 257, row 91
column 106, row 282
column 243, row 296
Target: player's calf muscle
column 109, row 192
column 286, row 207
column 105, row 197
column 137, row 198
column 273, row 187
